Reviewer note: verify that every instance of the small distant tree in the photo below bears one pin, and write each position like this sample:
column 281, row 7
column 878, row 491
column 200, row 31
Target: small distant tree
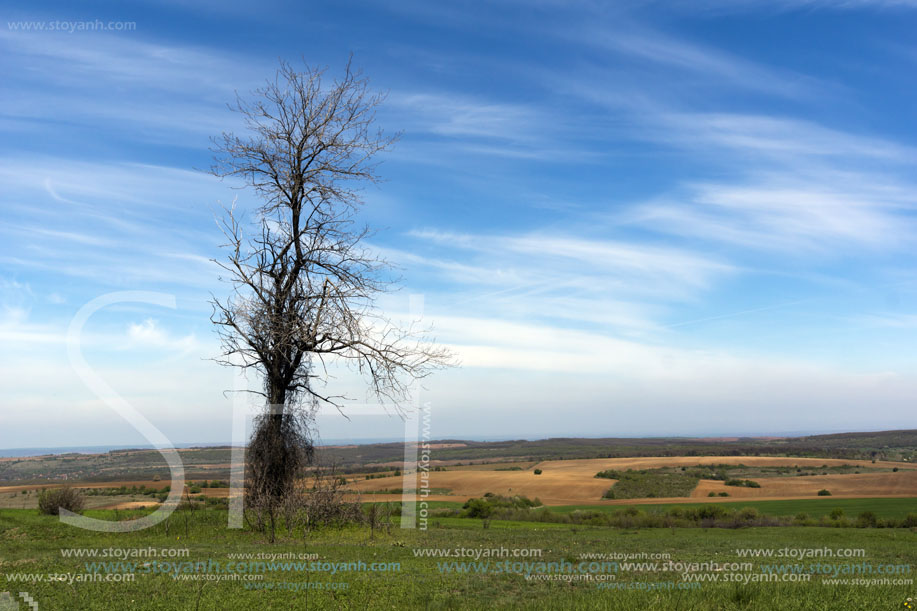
column 867, row 519
column 824, row 492
column 537, row 471
column 303, row 283
column 378, row 516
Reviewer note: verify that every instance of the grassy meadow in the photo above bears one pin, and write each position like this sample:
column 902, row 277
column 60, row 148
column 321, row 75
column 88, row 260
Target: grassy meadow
column 31, row 544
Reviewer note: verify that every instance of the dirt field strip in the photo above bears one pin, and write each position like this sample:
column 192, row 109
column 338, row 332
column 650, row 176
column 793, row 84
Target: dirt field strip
column 128, row 505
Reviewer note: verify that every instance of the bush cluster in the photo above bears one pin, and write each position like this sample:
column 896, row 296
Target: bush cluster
column 50, row 502
column 698, row 516
column 491, row 504
column 747, row 483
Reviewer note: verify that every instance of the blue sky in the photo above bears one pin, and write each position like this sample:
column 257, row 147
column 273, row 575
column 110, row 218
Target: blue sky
column 673, row 218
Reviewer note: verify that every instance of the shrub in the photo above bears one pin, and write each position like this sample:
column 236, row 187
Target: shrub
column 867, row 519
column 707, row 512
column 212, row 501
column 537, row 471
column 747, row 483
column 748, row 514
column 711, row 493
column 910, row 521
column 837, row 513
column 50, row 502
column 723, row 494
column 503, row 507
column 478, row 508
column 824, row 492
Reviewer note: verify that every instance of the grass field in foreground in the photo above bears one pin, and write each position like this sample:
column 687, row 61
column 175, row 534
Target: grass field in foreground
column 31, row 544
column 883, row 508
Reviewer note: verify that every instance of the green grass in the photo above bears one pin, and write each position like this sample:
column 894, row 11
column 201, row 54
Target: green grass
column 883, row 508
column 647, row 484
column 30, row 543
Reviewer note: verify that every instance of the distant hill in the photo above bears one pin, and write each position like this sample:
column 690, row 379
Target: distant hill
column 214, row 462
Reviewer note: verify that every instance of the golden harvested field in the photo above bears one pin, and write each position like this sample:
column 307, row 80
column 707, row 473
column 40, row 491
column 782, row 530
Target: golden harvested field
column 129, row 505
column 148, row 483
column 653, row 462
column 903, row 483
column 12, row 497
column 573, row 482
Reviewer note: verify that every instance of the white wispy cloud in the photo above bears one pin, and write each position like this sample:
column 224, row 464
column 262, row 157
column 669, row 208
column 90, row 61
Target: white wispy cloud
column 710, row 63
column 568, row 261
column 786, row 215
column 459, row 116
column 149, row 333
column 112, row 225
column 615, row 288
column 775, row 137
column 155, row 91
column 438, row 125
column 796, row 186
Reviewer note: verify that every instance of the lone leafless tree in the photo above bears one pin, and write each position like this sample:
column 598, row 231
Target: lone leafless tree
column 304, row 285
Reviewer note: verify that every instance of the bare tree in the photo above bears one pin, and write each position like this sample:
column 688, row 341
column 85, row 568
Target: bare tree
column 304, row 285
